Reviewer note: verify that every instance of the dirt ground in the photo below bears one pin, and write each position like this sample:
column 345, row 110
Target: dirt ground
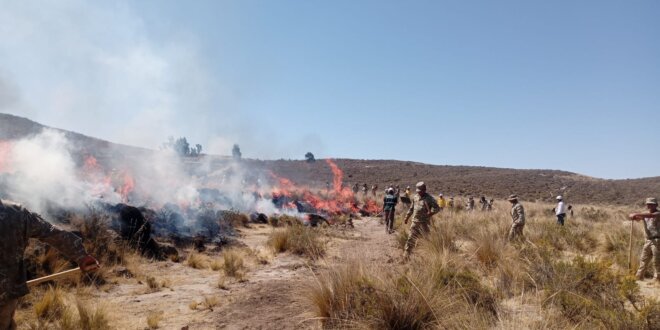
column 271, row 297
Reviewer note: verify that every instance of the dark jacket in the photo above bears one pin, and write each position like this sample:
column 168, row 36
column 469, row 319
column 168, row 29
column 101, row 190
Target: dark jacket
column 389, row 202
column 17, row 225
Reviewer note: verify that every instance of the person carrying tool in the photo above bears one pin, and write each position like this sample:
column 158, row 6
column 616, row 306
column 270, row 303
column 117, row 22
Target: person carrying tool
column 651, row 249
column 422, row 209
column 389, row 205
column 17, row 226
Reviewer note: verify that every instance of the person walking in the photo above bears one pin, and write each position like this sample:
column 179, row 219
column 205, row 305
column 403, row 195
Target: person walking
column 389, row 206
column 651, row 249
column 517, row 217
column 560, row 210
column 423, row 207
column 17, row 226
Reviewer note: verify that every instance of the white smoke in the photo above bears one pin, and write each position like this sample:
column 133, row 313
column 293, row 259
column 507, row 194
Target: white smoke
column 45, row 172
column 98, row 69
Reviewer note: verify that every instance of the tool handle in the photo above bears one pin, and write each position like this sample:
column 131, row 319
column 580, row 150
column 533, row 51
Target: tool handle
column 53, row 277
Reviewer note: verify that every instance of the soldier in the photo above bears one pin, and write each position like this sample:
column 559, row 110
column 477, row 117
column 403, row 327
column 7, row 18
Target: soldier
column 422, row 209
column 560, row 210
column 365, row 189
column 484, row 203
column 17, row 225
column 389, row 205
column 356, row 188
column 652, row 245
column 469, row 206
column 518, row 218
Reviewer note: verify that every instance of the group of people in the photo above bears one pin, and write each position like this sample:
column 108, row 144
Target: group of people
column 423, row 207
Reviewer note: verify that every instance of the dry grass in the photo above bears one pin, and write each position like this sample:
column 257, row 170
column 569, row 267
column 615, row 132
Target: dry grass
column 210, row 302
column 233, row 264
column 196, row 261
column 51, row 306
column 153, row 319
column 573, row 276
column 300, row 240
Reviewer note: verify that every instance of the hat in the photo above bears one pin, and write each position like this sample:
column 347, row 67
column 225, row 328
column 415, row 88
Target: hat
column 559, row 198
column 651, row 200
column 513, row 197
column 420, row 186
column 440, row 195
column 390, row 190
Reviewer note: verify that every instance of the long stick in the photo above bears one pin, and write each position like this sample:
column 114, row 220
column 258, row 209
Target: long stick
column 57, row 276
column 630, row 246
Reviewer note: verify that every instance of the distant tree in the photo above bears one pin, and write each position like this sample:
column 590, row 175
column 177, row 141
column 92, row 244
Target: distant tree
column 309, row 157
column 182, row 147
column 236, row 152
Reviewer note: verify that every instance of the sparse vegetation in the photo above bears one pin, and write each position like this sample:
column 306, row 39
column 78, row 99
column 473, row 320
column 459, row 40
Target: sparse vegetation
column 299, row 240
column 233, row 264
column 153, row 319
column 210, row 302
column 197, row 261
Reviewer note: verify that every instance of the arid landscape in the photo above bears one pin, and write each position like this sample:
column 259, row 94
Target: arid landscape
column 292, row 253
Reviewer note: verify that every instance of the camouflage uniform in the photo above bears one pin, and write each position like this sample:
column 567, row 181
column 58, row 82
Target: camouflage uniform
column 518, row 217
column 17, row 225
column 651, row 249
column 420, row 209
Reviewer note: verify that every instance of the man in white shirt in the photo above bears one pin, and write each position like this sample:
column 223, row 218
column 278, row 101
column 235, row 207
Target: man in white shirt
column 560, row 210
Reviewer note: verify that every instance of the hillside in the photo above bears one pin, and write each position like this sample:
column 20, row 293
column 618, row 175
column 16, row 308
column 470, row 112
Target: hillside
column 450, row 180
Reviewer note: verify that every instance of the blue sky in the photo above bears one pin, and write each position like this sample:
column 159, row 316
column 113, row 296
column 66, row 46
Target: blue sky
column 571, row 85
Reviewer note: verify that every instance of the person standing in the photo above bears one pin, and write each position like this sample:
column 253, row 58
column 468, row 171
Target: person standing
column 517, row 217
column 423, row 207
column 560, row 210
column 442, row 202
column 389, row 206
column 17, row 226
column 484, row 203
column 651, row 249
column 469, row 206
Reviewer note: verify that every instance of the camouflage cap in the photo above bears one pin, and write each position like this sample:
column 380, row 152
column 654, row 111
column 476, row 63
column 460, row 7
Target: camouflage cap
column 420, row 186
column 513, row 197
column 651, row 200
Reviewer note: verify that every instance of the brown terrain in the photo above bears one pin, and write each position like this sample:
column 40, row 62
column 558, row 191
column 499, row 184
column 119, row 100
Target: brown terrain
column 531, row 184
